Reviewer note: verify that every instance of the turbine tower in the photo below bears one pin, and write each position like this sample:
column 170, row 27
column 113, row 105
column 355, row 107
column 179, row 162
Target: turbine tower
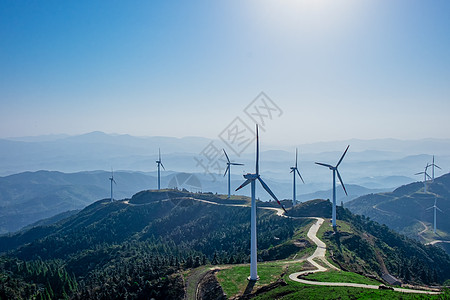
column 229, row 163
column 425, row 177
column 160, row 164
column 252, row 178
column 432, row 169
column 293, row 171
column 112, row 180
column 335, row 171
column 435, row 208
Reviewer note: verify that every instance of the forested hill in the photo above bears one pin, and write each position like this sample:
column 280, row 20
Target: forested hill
column 140, row 247
column 406, row 207
column 149, row 238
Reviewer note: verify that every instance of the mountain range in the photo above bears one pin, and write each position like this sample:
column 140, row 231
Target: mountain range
column 375, row 164
column 150, row 245
column 28, row 197
column 407, row 209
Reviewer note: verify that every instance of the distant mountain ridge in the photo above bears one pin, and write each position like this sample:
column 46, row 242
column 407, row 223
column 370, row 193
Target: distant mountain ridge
column 28, row 197
column 141, row 247
column 379, row 159
column 31, row 196
column 405, row 208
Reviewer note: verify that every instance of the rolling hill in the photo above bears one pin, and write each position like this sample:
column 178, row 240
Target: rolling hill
column 146, row 246
column 28, row 197
column 31, row 196
column 405, row 209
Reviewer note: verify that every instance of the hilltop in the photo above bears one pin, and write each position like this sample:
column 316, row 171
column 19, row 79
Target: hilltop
column 28, row 197
column 153, row 235
column 405, row 209
column 144, row 245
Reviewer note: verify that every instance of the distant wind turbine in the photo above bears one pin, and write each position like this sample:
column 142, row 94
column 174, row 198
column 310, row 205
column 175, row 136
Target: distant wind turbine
column 435, row 208
column 432, row 169
column 335, row 171
column 112, row 180
column 293, row 171
column 160, row 164
column 425, row 177
column 251, row 178
column 229, row 163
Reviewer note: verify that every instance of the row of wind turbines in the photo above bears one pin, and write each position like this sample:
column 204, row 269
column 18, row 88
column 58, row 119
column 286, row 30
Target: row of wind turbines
column 252, row 178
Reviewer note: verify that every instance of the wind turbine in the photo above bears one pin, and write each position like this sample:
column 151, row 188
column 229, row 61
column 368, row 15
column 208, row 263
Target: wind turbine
column 432, row 169
column 293, row 171
column 435, row 208
column 229, row 171
column 160, row 164
column 425, row 177
column 252, row 178
column 112, row 180
column 335, row 171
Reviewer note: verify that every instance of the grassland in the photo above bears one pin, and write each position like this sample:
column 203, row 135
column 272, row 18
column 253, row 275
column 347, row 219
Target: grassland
column 234, row 282
column 341, row 276
column 296, row 290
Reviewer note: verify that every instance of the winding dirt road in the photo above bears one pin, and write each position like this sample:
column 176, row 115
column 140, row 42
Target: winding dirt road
column 318, row 255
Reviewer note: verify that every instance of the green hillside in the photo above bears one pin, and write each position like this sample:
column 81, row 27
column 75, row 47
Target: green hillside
column 151, row 246
column 405, row 209
column 366, row 247
column 28, row 197
column 150, row 238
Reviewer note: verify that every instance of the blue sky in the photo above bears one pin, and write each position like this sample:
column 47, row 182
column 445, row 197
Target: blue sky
column 337, row 69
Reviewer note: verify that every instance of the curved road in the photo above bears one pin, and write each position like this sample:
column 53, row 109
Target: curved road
column 319, row 254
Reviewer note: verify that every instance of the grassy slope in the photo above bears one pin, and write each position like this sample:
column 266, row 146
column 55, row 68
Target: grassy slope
column 233, row 279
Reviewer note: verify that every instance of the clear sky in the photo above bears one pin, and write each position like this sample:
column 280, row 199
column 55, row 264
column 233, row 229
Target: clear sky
column 337, row 69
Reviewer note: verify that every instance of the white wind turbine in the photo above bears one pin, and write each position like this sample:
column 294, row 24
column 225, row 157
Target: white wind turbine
column 432, row 169
column 293, row 171
column 425, row 177
column 112, row 180
column 229, row 164
column 252, row 178
column 335, row 171
column 160, row 164
column 435, row 208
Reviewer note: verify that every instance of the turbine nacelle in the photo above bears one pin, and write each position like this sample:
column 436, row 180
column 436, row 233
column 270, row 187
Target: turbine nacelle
column 250, row 176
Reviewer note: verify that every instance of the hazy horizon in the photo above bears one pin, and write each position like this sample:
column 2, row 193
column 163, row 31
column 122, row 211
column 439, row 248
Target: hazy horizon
column 330, row 71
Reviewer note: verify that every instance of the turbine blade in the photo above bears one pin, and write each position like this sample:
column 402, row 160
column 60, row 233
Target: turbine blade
column 300, row 175
column 295, row 157
column 162, row 165
column 430, row 208
column 439, row 209
column 159, row 151
column 419, row 173
column 437, row 167
column 236, row 164
column 342, row 157
column 228, row 168
column 325, row 165
column 226, row 155
column 292, row 170
column 244, row 184
column 114, row 181
column 342, row 183
column 264, row 185
column 257, row 151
